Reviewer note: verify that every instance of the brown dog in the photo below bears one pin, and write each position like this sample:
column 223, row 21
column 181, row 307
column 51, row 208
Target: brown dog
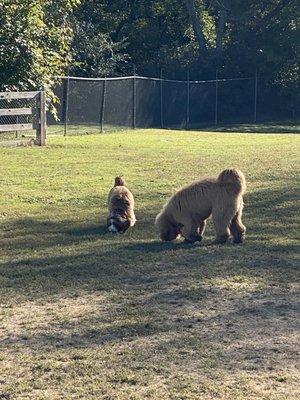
column 120, row 207
column 187, row 210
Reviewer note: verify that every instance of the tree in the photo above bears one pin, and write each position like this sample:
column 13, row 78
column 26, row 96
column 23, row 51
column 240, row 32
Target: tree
column 39, row 39
column 153, row 31
column 95, row 53
column 34, row 42
column 197, row 26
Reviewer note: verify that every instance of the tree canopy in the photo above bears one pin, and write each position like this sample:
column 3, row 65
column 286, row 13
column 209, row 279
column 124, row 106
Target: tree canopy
column 42, row 39
column 35, row 41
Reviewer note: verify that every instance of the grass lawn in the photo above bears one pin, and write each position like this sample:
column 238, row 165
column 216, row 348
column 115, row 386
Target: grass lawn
column 89, row 315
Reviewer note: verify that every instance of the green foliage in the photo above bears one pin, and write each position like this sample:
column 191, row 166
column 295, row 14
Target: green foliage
column 153, row 31
column 34, row 42
column 158, row 34
column 38, row 40
column 95, row 54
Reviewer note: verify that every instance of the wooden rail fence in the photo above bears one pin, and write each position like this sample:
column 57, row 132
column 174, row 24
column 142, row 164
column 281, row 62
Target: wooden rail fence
column 37, row 111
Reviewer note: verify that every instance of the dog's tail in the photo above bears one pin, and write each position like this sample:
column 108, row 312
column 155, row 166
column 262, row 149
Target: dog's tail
column 235, row 178
column 119, row 181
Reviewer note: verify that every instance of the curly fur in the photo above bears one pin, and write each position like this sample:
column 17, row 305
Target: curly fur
column 187, row 210
column 120, row 207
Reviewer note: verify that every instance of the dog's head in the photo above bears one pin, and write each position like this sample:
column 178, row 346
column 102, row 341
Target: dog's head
column 168, row 230
column 118, row 223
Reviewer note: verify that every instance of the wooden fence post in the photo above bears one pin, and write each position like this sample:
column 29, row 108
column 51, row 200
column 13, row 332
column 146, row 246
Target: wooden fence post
column 66, row 98
column 41, row 126
column 36, row 111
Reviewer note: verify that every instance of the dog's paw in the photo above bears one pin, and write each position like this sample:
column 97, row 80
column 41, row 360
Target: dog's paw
column 188, row 241
column 199, row 238
column 221, row 240
column 239, row 239
column 193, row 239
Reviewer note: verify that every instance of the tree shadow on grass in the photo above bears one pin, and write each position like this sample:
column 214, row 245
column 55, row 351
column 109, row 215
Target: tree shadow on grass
column 273, row 214
column 83, row 231
column 231, row 308
column 85, row 256
column 272, row 127
column 266, row 213
column 264, row 206
column 36, row 234
column 234, row 330
column 45, row 278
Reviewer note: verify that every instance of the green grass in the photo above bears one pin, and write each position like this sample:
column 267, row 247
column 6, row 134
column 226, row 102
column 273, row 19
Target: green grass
column 89, row 315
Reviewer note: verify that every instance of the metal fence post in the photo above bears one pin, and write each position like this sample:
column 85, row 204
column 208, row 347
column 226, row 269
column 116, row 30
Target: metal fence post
column 187, row 100
column 66, row 113
column 161, row 100
column 216, row 99
column 102, row 106
column 255, row 98
column 134, row 100
column 17, row 121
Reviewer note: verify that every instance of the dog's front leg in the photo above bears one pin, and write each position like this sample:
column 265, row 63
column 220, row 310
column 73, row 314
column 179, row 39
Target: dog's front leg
column 191, row 232
column 221, row 220
column 201, row 228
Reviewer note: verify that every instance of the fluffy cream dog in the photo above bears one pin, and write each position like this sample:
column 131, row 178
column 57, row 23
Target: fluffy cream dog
column 187, row 210
column 120, row 207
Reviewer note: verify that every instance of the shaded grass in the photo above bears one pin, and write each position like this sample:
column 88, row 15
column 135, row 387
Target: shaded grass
column 262, row 127
column 88, row 315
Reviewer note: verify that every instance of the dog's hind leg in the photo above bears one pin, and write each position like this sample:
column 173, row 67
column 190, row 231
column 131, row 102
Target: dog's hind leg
column 237, row 229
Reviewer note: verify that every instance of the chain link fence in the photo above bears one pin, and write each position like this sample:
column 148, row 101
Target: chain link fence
column 88, row 105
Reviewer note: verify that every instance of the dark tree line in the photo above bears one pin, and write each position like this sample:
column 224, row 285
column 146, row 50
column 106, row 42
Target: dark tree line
column 235, row 35
column 43, row 39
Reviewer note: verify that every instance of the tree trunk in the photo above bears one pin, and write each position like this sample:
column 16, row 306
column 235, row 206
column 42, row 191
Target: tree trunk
column 191, row 9
column 220, row 28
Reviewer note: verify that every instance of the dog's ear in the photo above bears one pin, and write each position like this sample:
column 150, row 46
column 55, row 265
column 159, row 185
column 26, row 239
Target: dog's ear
column 119, row 181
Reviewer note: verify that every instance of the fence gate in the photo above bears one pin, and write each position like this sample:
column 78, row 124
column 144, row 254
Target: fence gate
column 24, row 111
